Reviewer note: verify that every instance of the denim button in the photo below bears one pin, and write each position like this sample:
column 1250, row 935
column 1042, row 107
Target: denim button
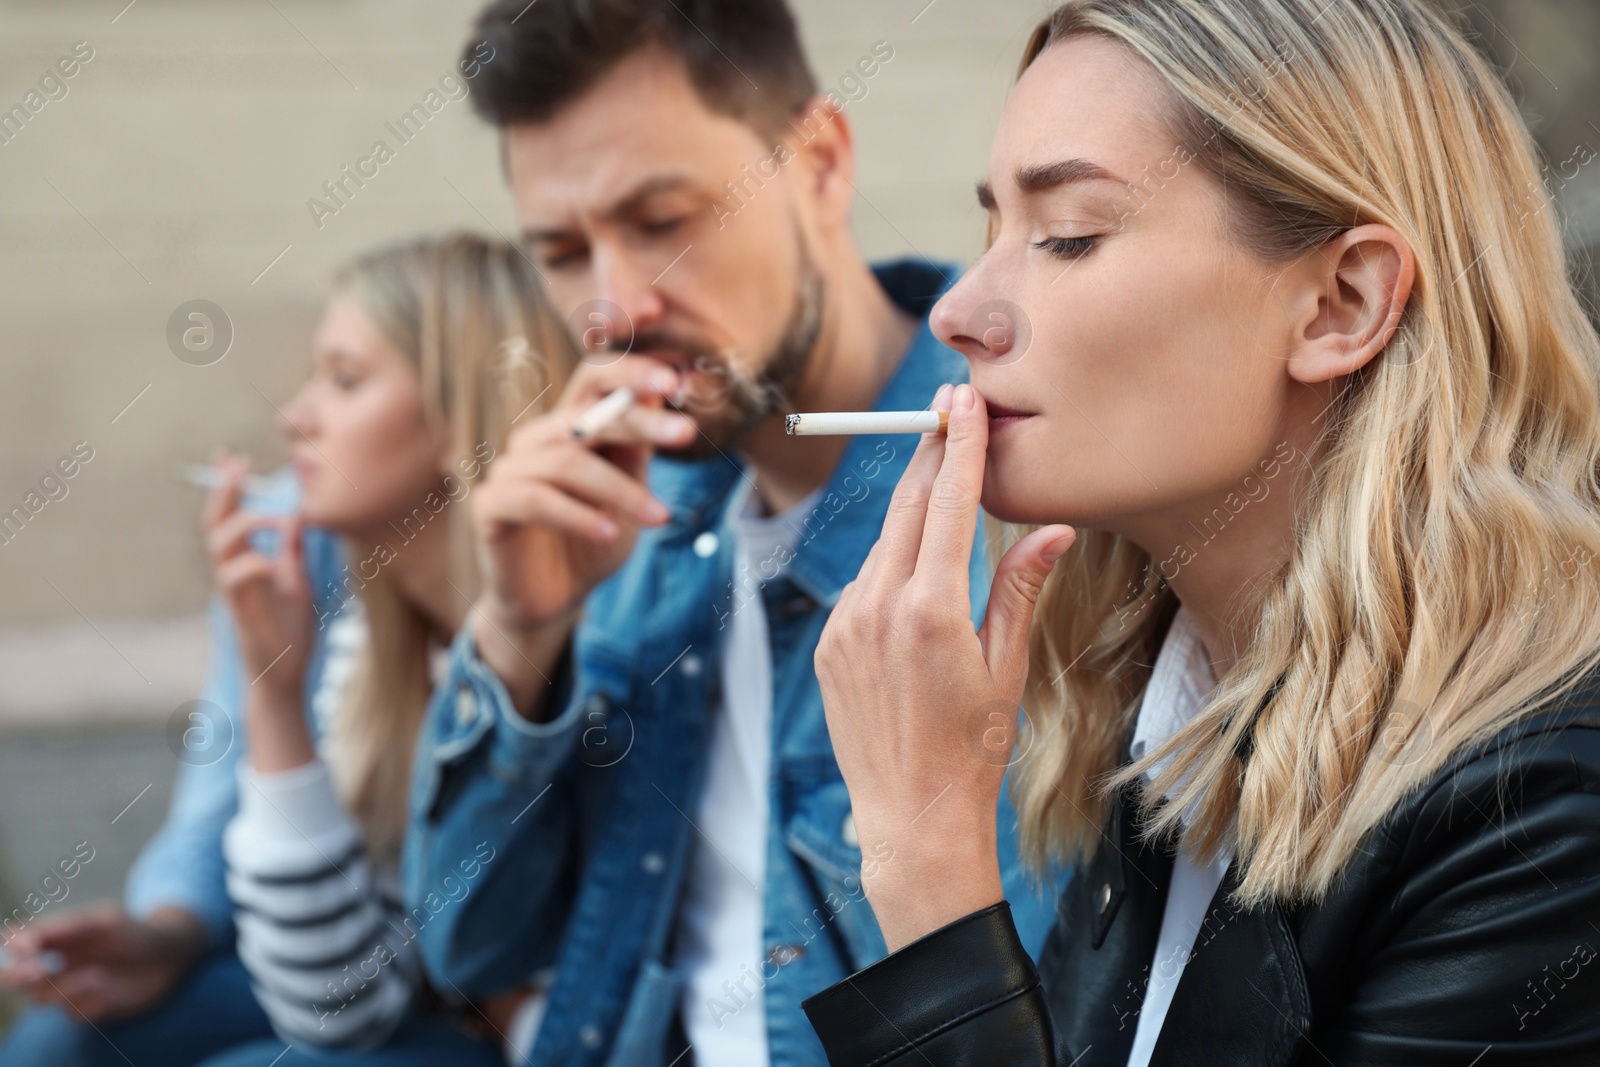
column 705, row 546
column 466, row 706
column 689, row 665
column 653, row 863
column 590, row 1036
column 848, row 831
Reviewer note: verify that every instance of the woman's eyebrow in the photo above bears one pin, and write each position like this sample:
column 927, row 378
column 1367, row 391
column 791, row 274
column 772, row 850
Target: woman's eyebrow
column 1042, row 176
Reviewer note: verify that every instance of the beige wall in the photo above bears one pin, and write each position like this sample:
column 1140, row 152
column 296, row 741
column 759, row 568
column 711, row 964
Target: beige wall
column 179, row 165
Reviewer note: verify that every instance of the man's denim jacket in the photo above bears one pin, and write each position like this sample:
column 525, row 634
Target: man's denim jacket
column 559, row 848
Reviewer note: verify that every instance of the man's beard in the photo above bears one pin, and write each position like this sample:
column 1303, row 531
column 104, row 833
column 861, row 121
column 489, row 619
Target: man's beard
column 725, row 402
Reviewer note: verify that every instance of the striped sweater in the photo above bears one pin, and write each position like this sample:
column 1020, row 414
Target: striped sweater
column 323, row 934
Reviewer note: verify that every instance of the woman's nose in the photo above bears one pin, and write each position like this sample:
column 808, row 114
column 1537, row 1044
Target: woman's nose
column 295, row 418
column 979, row 324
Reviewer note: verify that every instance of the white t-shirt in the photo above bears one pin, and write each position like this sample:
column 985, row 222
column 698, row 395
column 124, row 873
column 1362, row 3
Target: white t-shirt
column 719, row 924
column 1179, row 684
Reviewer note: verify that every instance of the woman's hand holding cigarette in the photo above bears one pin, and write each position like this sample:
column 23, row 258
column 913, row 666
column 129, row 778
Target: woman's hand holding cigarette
column 269, row 597
column 555, row 516
column 905, row 680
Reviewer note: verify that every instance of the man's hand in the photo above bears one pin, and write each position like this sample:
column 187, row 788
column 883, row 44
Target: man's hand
column 115, row 965
column 556, row 516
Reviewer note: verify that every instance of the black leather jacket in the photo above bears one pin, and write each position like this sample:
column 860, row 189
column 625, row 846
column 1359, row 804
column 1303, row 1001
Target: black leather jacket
column 1466, row 933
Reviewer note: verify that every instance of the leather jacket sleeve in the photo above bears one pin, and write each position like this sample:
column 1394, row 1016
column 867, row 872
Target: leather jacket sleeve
column 967, row 993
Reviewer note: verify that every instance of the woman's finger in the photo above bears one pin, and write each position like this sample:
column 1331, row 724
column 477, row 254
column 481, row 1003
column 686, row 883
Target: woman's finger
column 292, row 577
column 907, row 512
column 1018, row 580
column 956, row 497
column 224, row 499
column 241, row 571
column 231, row 536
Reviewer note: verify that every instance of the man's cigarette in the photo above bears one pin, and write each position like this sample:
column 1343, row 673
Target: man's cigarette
column 606, row 410
column 211, row 478
column 818, row 423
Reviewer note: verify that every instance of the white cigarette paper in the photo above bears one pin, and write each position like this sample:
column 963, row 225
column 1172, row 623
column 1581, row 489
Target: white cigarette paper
column 210, row 478
column 819, row 423
column 606, row 410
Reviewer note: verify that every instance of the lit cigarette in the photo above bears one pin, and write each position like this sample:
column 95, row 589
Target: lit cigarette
column 606, row 410
column 818, row 423
column 50, row 961
column 211, row 478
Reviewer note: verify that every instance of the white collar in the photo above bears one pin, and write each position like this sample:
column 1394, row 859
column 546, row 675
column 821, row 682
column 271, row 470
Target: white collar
column 1179, row 684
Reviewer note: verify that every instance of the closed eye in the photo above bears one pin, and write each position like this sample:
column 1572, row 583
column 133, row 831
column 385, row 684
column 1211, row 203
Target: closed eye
column 1066, row 247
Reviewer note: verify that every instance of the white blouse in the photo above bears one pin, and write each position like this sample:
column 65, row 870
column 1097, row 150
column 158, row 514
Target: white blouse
column 1179, row 684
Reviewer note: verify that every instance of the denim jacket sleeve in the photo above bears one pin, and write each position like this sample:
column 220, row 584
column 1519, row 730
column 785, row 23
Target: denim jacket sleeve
column 491, row 804
column 181, row 866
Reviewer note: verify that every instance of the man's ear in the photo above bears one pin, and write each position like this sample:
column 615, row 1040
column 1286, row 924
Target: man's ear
column 1357, row 286
column 822, row 140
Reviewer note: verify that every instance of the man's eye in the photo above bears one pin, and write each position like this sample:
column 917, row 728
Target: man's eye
column 659, row 227
column 1066, row 247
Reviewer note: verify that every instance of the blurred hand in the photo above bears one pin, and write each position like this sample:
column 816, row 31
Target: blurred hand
column 908, row 685
column 556, row 516
column 115, row 966
column 268, row 596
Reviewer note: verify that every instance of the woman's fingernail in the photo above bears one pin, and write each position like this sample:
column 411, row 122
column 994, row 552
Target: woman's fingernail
column 941, row 399
column 1057, row 548
column 964, row 399
column 663, row 380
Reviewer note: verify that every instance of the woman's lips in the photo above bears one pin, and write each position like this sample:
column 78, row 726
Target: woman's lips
column 1002, row 415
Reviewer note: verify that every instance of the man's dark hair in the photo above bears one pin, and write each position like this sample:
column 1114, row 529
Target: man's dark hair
column 742, row 56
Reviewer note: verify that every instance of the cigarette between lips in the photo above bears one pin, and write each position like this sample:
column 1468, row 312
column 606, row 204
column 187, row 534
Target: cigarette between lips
column 819, row 423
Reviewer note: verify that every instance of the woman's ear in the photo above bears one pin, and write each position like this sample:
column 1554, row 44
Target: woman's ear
column 1357, row 288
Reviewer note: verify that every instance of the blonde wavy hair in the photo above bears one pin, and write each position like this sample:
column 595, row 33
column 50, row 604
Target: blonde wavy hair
column 1440, row 584
column 470, row 315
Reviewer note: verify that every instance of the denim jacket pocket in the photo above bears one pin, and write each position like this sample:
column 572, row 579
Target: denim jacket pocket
column 821, row 832
column 444, row 742
column 642, row 1034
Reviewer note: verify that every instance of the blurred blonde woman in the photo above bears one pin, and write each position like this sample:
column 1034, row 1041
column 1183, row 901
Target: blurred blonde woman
column 1313, row 700
column 426, row 356
column 340, row 584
